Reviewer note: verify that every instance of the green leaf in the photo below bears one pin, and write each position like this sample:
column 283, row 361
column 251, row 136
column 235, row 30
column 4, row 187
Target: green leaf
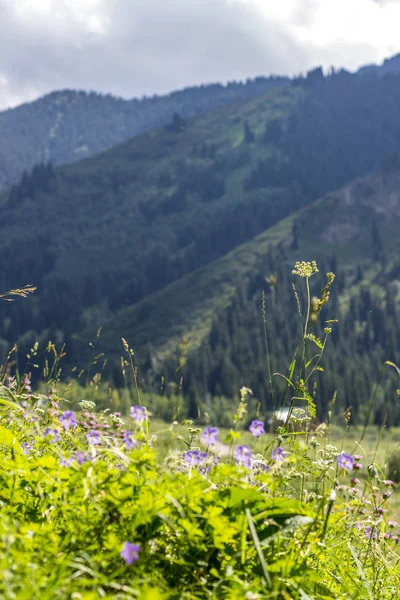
column 7, row 398
column 391, row 364
column 284, row 377
column 283, row 508
column 239, row 495
column 7, row 438
column 257, row 544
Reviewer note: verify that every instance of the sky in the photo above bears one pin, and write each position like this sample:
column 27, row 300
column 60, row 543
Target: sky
column 132, row 48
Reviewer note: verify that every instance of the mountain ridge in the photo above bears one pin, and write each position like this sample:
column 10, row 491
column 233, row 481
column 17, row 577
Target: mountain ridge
column 67, row 125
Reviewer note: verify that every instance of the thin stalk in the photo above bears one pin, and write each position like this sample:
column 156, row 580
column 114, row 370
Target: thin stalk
column 303, row 360
column 373, row 395
column 264, row 317
column 318, row 361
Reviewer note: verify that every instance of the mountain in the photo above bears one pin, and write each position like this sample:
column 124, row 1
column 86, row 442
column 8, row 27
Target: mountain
column 66, row 126
column 108, row 238
column 389, row 65
column 214, row 315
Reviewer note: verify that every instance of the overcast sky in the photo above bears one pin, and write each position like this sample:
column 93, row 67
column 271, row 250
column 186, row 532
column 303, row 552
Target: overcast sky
column 136, row 47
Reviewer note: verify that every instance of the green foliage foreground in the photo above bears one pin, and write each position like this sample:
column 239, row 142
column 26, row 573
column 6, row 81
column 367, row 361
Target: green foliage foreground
column 90, row 510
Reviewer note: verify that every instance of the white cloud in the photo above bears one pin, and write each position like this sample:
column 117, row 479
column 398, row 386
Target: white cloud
column 133, row 47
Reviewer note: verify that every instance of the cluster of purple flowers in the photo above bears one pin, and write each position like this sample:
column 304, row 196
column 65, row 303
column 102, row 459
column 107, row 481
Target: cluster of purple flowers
column 29, row 416
column 10, row 381
column 26, row 448
column 195, row 457
column 93, row 422
column 27, row 384
column 53, row 434
column 81, row 458
column 93, row 437
column 370, row 532
column 278, row 454
column 129, row 440
column 243, row 456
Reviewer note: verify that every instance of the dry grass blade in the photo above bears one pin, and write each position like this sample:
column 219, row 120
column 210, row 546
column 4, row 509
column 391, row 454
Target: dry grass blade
column 22, row 292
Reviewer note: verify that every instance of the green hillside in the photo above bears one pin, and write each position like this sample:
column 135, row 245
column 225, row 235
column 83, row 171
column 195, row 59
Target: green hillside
column 68, row 125
column 354, row 226
column 114, row 228
column 216, row 311
column 105, row 238
column 186, row 308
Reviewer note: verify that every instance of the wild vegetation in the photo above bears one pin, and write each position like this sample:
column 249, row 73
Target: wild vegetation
column 93, row 506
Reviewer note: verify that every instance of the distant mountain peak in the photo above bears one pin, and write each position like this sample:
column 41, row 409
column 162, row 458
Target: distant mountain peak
column 389, row 65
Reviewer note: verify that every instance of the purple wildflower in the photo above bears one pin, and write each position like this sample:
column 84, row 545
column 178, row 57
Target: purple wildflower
column 205, row 468
column 357, row 466
column 29, row 416
column 260, row 465
column 345, row 461
column 354, row 481
column 129, row 441
column 243, row 456
column 210, row 435
column 80, row 457
column 388, row 482
column 27, row 384
column 278, row 454
column 130, row 552
column 392, row 524
column 26, row 448
column 68, row 419
column 357, row 457
column 93, row 437
column 370, row 533
column 138, row 414
column 257, row 428
column 194, row 457
column 65, row 462
column 53, row 434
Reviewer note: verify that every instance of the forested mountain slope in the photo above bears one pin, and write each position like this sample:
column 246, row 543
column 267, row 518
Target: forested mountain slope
column 108, row 232
column 213, row 317
column 67, row 125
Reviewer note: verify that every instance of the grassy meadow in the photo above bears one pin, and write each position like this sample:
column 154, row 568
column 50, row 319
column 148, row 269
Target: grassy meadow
column 100, row 498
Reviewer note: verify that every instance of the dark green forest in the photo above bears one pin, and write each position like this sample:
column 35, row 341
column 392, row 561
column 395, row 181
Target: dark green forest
column 156, row 240
column 366, row 335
